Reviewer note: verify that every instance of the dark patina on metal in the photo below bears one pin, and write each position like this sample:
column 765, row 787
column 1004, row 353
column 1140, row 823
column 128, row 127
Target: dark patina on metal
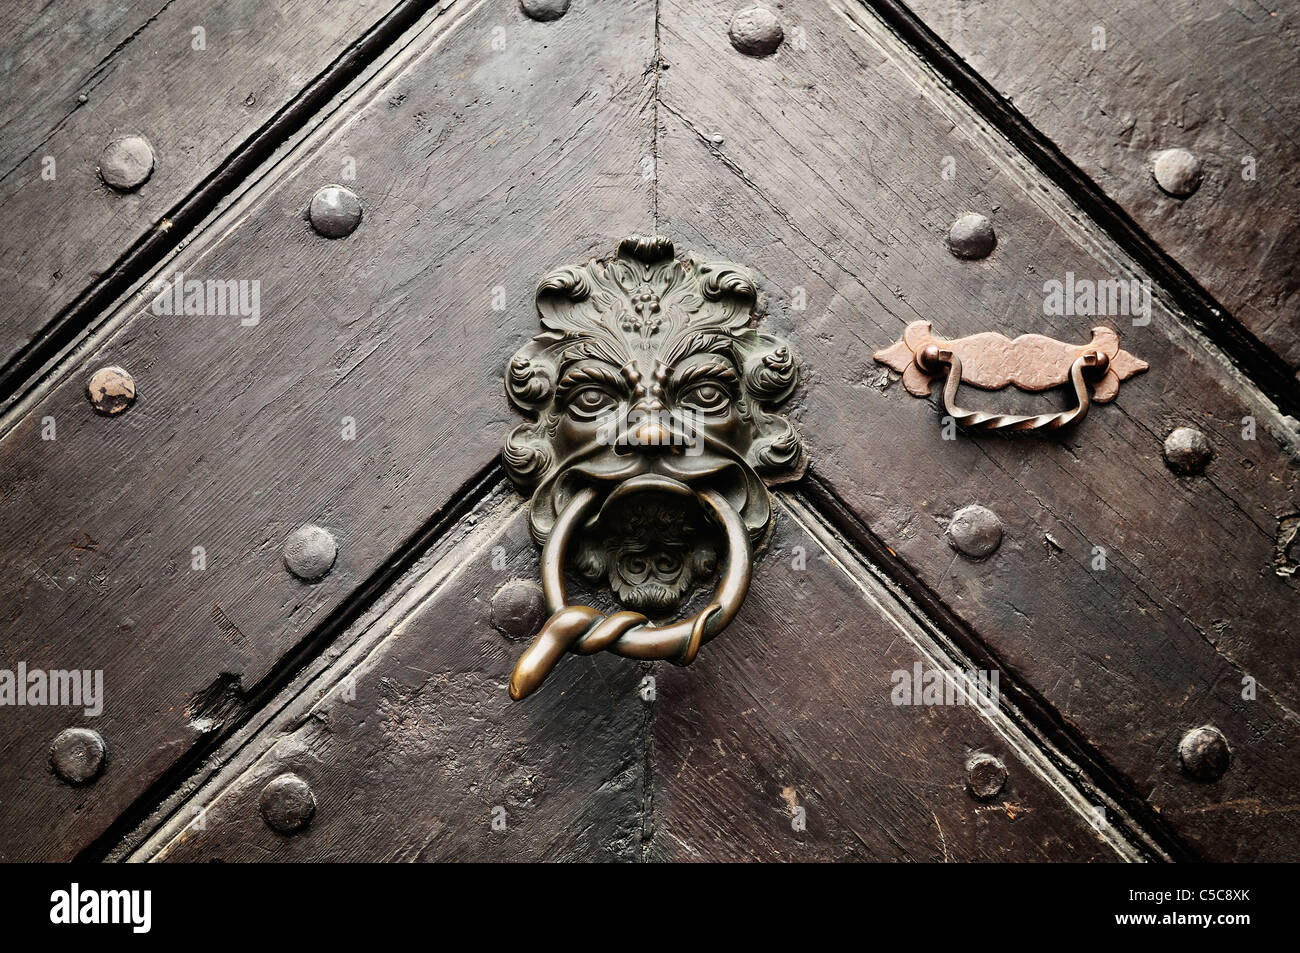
column 651, row 441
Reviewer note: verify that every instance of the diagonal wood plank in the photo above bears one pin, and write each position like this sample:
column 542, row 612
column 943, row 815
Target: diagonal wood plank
column 822, row 166
column 788, row 742
column 413, row 750
column 482, row 159
column 411, row 747
column 212, row 87
column 1114, row 86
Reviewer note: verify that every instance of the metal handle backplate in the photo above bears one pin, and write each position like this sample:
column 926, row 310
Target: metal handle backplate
column 992, row 361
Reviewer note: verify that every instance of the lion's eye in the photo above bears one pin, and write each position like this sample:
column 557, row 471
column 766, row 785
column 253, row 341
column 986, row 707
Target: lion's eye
column 591, row 401
column 707, row 398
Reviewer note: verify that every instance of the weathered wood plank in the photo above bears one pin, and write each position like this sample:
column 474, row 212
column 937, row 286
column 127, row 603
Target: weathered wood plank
column 784, row 741
column 410, row 744
column 1115, row 86
column 414, row 752
column 822, row 168
column 202, row 82
column 237, row 436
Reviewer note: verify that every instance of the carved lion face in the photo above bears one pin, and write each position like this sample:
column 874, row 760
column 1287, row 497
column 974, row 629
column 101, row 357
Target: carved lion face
column 647, row 383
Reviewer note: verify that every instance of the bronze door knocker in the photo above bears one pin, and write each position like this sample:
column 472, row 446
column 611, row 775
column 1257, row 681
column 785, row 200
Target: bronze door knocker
column 651, row 442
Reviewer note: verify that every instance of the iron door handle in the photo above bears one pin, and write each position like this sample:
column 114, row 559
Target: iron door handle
column 651, row 441
column 1031, row 362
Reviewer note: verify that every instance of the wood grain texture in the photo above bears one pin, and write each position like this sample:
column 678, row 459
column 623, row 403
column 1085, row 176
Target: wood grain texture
column 821, row 168
column 139, row 72
column 1215, row 79
column 409, row 741
column 794, row 708
column 235, row 438
column 412, row 747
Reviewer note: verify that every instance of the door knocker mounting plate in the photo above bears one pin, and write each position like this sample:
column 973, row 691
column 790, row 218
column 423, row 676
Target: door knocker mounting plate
column 651, row 440
column 992, row 361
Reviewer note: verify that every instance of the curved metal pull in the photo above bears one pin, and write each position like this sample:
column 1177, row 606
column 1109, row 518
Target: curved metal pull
column 1090, row 362
column 1031, row 362
column 651, row 441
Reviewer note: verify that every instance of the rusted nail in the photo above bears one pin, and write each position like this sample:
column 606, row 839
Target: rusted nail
column 111, row 390
column 126, row 163
column 335, row 211
column 309, row 552
column 975, row 531
column 756, row 31
column 985, row 776
column 1187, row 450
column 1204, row 753
column 518, row 609
column 77, row 755
column 287, row 803
column 1177, row 171
column 971, row 236
column 544, row 10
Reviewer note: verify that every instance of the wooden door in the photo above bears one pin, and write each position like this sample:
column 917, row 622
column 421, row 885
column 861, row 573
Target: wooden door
column 258, row 386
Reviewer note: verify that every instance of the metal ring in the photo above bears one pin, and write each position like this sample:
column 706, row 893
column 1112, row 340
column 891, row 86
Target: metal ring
column 585, row 630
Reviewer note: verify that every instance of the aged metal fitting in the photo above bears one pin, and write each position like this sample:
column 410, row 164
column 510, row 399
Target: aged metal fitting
column 975, row 531
column 1204, row 753
column 1187, row 450
column 335, row 211
column 992, row 361
column 755, row 31
column 651, row 441
column 971, row 236
column 126, row 163
column 985, row 776
column 287, row 803
column 309, row 552
column 77, row 755
column 111, row 390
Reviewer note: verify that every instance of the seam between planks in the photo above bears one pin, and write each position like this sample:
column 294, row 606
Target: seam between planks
column 321, row 637
column 1264, row 369
column 1117, row 827
column 1032, row 714
column 27, row 368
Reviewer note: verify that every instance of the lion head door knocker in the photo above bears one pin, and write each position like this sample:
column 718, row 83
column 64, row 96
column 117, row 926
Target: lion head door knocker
column 649, row 448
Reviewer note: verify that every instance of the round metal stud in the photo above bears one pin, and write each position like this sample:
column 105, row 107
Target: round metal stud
column 971, row 236
column 335, row 211
column 1204, row 753
column 518, row 609
column 77, row 755
column 1178, row 172
column 544, row 10
column 1187, row 450
column 975, row 531
column 126, row 163
column 309, row 552
column 287, row 803
column 756, row 31
column 985, row 776
column 111, row 390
